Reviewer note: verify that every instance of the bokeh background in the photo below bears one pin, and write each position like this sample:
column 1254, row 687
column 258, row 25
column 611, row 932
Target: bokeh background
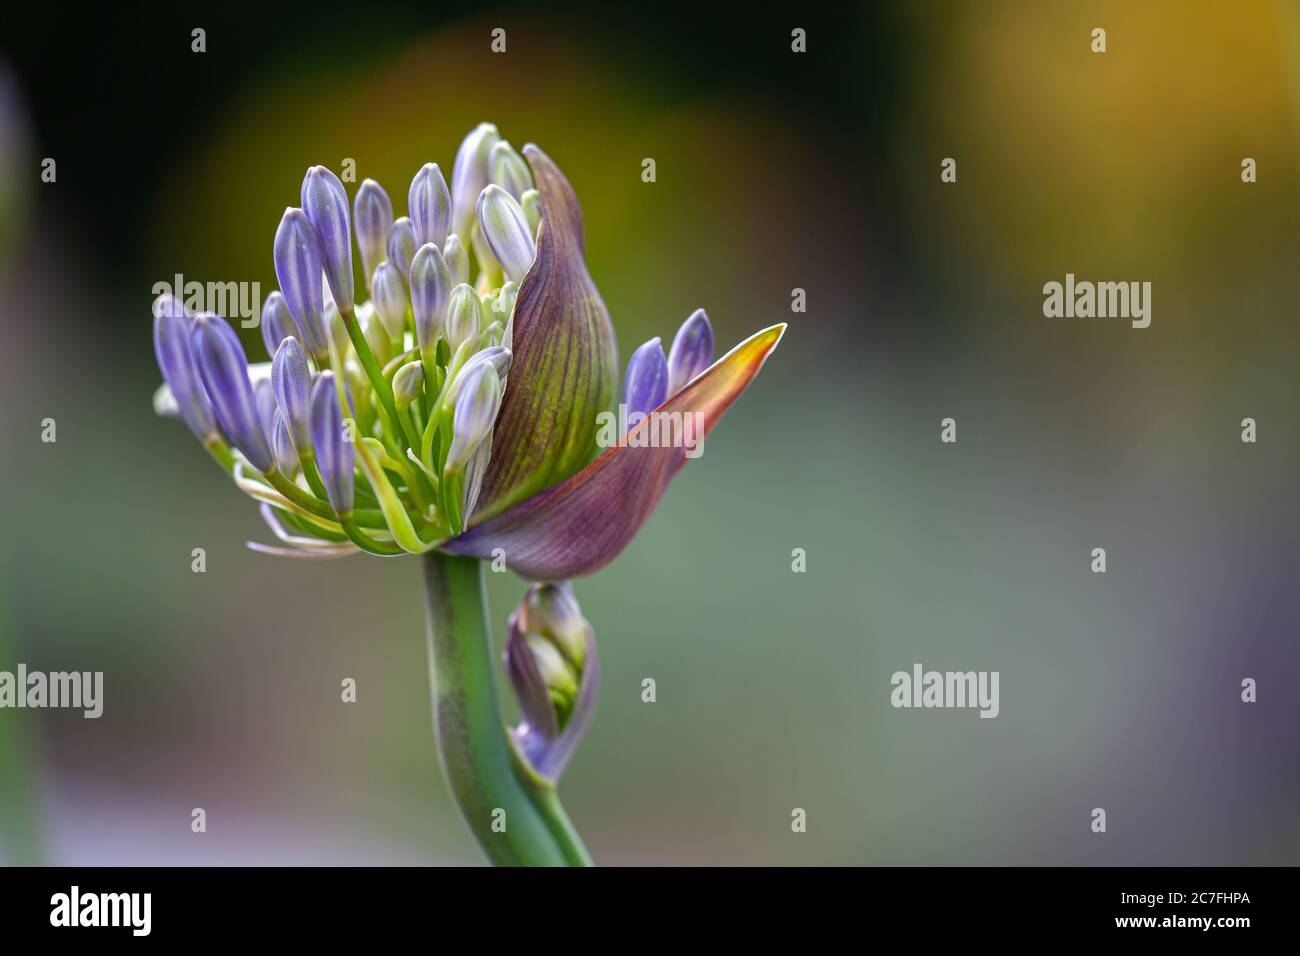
column 775, row 171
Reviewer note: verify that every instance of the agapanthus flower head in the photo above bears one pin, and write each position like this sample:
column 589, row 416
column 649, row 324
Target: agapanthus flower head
column 458, row 407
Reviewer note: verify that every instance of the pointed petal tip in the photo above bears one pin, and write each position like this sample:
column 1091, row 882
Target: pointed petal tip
column 579, row 525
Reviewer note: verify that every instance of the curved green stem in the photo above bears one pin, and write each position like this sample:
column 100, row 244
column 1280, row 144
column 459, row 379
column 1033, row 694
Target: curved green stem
column 383, row 390
column 562, row 828
column 512, row 826
column 365, row 517
column 307, row 459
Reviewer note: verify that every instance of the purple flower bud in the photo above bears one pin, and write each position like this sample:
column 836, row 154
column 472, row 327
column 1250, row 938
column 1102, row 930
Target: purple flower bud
column 402, row 246
column 372, row 211
column 646, row 384
column 478, row 399
column 389, row 294
column 498, row 356
column 298, row 269
column 282, row 448
column 291, row 382
column 470, row 174
column 430, row 286
column 223, row 367
column 464, row 316
column 453, row 251
column 171, row 343
column 326, row 204
column 429, row 202
column 277, row 323
column 506, row 231
column 335, row 455
column 691, row 353
column 508, row 170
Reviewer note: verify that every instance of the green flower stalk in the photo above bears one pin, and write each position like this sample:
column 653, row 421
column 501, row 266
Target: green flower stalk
column 458, row 413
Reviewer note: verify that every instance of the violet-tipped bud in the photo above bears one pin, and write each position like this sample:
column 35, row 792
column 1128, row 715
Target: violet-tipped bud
column 464, row 316
column 498, row 357
column 470, row 174
column 223, row 368
column 389, row 294
column 457, row 259
column 402, row 246
column 646, row 384
column 372, row 211
column 554, row 679
column 291, row 382
column 429, row 203
column 430, row 285
column 692, row 351
column 478, row 399
column 506, row 231
column 171, row 343
column 277, row 324
column 508, row 170
column 282, row 446
column 335, row 454
column 298, row 269
column 408, row 383
column 325, row 202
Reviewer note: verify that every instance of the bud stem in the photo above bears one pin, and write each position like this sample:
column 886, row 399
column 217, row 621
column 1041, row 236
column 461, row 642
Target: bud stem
column 376, row 375
column 307, row 459
column 476, row 756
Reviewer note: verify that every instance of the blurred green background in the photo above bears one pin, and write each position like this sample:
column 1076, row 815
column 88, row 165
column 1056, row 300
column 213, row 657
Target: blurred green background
column 775, row 170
